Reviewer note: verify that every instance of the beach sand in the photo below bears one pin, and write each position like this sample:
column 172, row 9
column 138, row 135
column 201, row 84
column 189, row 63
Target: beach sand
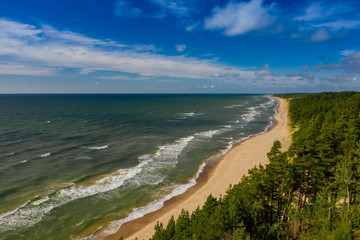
column 219, row 175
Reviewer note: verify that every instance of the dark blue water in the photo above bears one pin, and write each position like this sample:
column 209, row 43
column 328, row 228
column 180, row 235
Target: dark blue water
column 70, row 164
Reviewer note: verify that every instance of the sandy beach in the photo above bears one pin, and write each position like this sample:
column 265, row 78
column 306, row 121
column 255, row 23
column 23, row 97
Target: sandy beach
column 216, row 180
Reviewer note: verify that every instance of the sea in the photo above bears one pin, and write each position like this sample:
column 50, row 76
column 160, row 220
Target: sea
column 71, row 164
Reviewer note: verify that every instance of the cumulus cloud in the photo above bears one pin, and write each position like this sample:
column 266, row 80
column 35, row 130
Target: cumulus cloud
column 302, row 76
column 323, row 20
column 341, row 78
column 45, row 50
column 320, row 35
column 331, row 66
column 351, row 63
column 266, row 73
column 241, row 18
column 180, row 47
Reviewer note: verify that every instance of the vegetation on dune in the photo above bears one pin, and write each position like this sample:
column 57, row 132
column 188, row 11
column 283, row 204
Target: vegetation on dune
column 310, row 191
column 291, row 95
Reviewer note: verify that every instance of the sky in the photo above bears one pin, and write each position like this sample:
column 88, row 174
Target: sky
column 183, row 46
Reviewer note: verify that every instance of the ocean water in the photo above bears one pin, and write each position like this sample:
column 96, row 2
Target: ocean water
column 71, row 164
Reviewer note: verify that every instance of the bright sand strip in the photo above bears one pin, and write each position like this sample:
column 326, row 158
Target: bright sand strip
column 228, row 170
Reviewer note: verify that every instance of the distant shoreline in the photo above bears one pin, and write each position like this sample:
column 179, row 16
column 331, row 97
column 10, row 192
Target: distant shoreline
column 215, row 178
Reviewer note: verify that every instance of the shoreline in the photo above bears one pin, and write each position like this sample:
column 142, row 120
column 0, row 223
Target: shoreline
column 215, row 178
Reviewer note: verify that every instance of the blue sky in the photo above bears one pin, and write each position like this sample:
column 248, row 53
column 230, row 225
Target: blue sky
column 184, row 46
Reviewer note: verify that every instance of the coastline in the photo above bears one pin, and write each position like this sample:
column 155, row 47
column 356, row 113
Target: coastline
column 215, row 179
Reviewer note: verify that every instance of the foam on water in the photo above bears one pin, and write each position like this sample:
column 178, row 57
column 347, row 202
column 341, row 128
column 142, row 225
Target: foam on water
column 7, row 155
column 189, row 114
column 165, row 157
column 97, row 147
column 78, row 224
column 156, row 205
column 250, row 115
column 267, row 104
column 13, row 143
column 234, row 106
column 207, row 134
column 13, row 165
column 31, row 213
column 34, row 211
column 229, row 107
column 45, row 155
column 141, row 211
column 168, row 154
column 40, row 201
column 253, row 112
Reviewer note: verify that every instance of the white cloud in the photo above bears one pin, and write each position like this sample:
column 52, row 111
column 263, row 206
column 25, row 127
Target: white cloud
column 340, row 24
column 347, row 52
column 302, row 76
column 180, row 47
column 192, row 27
column 241, row 18
column 263, row 72
column 19, row 30
column 19, row 69
column 43, row 51
column 304, row 68
column 342, row 78
column 313, row 12
column 321, row 10
column 178, row 8
column 320, row 35
column 124, row 78
column 325, row 20
column 159, row 8
column 351, row 64
column 206, row 87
